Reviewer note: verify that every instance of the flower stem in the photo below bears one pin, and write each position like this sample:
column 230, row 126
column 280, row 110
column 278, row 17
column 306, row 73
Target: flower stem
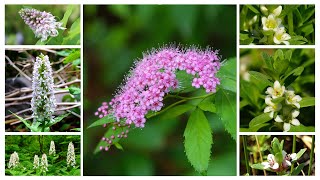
column 260, row 154
column 183, row 99
column 244, row 142
column 311, row 156
column 293, row 151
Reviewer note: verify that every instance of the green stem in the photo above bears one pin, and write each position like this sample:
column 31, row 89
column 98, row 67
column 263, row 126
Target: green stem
column 183, row 99
column 311, row 156
column 244, row 141
column 260, row 154
column 293, row 151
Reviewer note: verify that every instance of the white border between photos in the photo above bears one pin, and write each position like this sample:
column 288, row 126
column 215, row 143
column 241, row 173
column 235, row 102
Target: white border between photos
column 81, row 2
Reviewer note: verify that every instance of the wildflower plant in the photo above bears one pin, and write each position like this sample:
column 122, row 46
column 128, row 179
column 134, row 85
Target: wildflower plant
column 279, row 161
column 49, row 29
column 43, row 102
column 71, row 158
column 277, row 24
column 195, row 78
column 52, row 150
column 14, row 160
column 44, row 163
column 270, row 97
column 36, row 162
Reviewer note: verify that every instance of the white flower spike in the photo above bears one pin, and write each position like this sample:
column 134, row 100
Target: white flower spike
column 36, row 162
column 52, row 150
column 71, row 158
column 14, row 160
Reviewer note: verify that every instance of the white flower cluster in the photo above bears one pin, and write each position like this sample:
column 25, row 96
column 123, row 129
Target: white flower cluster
column 52, row 150
column 272, row 23
column 43, row 102
column 43, row 24
column 36, row 162
column 71, row 158
column 14, row 160
column 273, row 165
column 285, row 111
column 44, row 163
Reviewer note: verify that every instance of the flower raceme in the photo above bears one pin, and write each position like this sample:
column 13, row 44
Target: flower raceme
column 285, row 111
column 36, row 162
column 43, row 24
column 71, row 159
column 44, row 163
column 43, row 102
column 52, row 150
column 14, row 160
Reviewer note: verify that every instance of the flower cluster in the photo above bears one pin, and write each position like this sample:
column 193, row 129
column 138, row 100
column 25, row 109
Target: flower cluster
column 43, row 102
column 44, row 163
column 154, row 76
column 283, row 110
column 36, row 162
column 272, row 24
column 14, row 160
column 275, row 166
column 43, row 24
column 71, row 158
column 52, row 150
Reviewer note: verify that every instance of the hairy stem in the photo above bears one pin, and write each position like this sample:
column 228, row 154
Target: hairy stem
column 293, row 151
column 311, row 156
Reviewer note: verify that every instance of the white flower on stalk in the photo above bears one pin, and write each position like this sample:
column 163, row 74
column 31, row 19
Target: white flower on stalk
column 36, row 162
column 280, row 36
column 43, row 102
column 288, row 122
column 44, row 163
column 276, row 91
column 71, row 158
column 271, row 23
column 52, row 150
column 293, row 99
column 271, row 163
column 272, row 107
column 43, row 24
column 287, row 159
column 14, row 160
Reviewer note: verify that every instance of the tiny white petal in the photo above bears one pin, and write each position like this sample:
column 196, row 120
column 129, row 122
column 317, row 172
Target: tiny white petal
column 286, row 127
column 295, row 113
column 277, row 11
column 295, row 122
column 278, row 119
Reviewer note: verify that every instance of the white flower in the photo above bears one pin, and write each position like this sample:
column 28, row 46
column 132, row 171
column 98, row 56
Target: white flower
column 271, row 164
column 43, row 24
column 280, row 36
column 43, row 102
column 52, row 150
column 272, row 107
column 288, row 158
column 276, row 12
column 276, row 91
column 44, row 163
column 14, row 160
column 36, row 162
column 271, row 23
column 293, row 99
column 292, row 120
column 71, row 159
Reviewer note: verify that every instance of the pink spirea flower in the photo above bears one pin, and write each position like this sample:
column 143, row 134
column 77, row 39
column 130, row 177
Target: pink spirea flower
column 43, row 24
column 154, row 76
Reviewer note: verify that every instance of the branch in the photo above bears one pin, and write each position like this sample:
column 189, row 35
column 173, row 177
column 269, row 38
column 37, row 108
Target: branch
column 14, row 66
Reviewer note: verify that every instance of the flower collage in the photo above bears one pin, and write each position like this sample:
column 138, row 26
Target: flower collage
column 101, row 89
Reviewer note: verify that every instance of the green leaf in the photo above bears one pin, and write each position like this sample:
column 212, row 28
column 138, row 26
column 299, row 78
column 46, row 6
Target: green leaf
column 76, row 129
column 118, row 146
column 226, row 109
column 72, row 56
column 76, row 92
column 278, row 100
column 276, row 147
column 176, row 111
column 258, row 166
column 33, row 129
column 288, row 55
column 261, row 119
column 288, row 9
column 262, row 81
column 253, row 9
column 280, row 65
column 293, row 75
column 257, row 127
column 185, row 82
column 307, row 101
column 105, row 120
column 267, row 60
column 302, row 128
column 73, row 36
column 300, row 153
column 278, row 156
column 297, row 170
column 297, row 40
column 57, row 119
column 67, row 15
column 207, row 106
column 198, row 141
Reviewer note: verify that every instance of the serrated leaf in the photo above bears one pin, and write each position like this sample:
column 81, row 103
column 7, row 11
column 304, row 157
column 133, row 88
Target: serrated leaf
column 261, row 119
column 258, row 166
column 207, row 106
column 198, row 141
column 297, row 170
column 105, row 120
column 226, row 109
column 307, row 101
column 175, row 111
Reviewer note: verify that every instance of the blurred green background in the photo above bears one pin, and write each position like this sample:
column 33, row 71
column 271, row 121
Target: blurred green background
column 17, row 32
column 117, row 35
